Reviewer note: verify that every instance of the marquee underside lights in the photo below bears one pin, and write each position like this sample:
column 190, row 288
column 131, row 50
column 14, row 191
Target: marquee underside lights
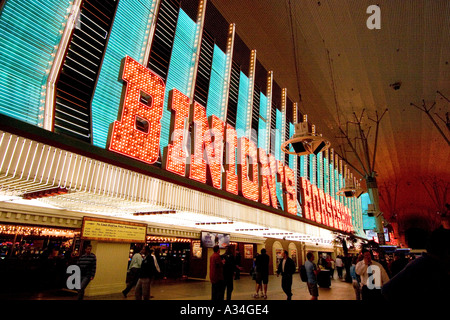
column 217, row 156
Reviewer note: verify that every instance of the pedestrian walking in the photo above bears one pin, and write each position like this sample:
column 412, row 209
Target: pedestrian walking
column 216, row 275
column 148, row 270
column 311, row 272
column 229, row 269
column 339, row 266
column 133, row 270
column 262, row 274
column 238, row 260
column 286, row 268
column 330, row 265
column 157, row 270
column 88, row 267
column 356, row 280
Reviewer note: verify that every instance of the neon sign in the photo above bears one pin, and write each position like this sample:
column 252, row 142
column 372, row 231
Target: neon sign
column 321, row 207
column 207, row 150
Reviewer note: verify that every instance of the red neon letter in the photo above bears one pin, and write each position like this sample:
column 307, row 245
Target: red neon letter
column 308, row 212
column 316, row 203
column 329, row 207
column 290, row 198
column 323, row 208
column 248, row 177
column 126, row 138
column 334, row 212
column 175, row 154
column 213, row 140
column 230, row 177
column 200, row 126
column 268, row 193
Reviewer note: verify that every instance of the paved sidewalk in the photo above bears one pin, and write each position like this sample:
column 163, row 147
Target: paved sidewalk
column 189, row 289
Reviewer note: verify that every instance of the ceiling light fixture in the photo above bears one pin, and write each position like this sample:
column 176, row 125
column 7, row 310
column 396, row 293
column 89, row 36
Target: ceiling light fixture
column 305, row 141
column 350, row 190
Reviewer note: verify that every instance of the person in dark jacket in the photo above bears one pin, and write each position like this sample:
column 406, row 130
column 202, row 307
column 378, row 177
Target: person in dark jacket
column 286, row 268
column 238, row 260
column 229, row 268
column 88, row 267
column 216, row 275
column 148, row 270
column 262, row 274
column 398, row 264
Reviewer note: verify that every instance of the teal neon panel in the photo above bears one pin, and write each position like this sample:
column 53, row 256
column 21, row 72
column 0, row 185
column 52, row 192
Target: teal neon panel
column 262, row 124
column 278, row 127
column 291, row 156
column 241, row 117
column 368, row 222
column 181, row 64
column 326, row 175
column 312, row 171
column 319, row 161
column 278, row 131
column 216, row 82
column 127, row 38
column 29, row 34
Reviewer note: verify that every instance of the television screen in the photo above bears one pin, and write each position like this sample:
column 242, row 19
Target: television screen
column 373, row 235
column 210, row 239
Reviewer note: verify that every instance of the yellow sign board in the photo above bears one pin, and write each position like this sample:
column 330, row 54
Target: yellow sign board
column 112, row 230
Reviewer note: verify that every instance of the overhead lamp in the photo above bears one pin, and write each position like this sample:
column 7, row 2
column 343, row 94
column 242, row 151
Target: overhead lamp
column 350, row 190
column 305, row 141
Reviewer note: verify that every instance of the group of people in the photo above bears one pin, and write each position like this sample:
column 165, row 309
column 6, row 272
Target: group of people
column 423, row 278
column 142, row 270
column 426, row 278
column 223, row 269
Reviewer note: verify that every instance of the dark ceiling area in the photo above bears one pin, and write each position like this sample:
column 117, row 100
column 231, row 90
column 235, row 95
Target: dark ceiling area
column 347, row 77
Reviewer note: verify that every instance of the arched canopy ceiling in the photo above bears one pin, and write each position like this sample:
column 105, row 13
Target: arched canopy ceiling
column 336, row 67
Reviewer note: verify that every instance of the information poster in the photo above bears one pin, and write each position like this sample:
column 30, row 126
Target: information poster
column 196, row 249
column 112, row 230
column 248, row 251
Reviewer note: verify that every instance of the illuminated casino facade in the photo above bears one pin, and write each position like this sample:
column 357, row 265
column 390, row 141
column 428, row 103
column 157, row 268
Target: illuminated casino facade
column 155, row 111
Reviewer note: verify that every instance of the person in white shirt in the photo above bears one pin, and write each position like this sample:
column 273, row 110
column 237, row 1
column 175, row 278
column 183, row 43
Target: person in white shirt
column 339, row 266
column 373, row 277
column 133, row 270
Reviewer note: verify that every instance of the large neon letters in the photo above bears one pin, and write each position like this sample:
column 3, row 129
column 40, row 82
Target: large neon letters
column 126, row 138
column 216, row 156
column 321, row 207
